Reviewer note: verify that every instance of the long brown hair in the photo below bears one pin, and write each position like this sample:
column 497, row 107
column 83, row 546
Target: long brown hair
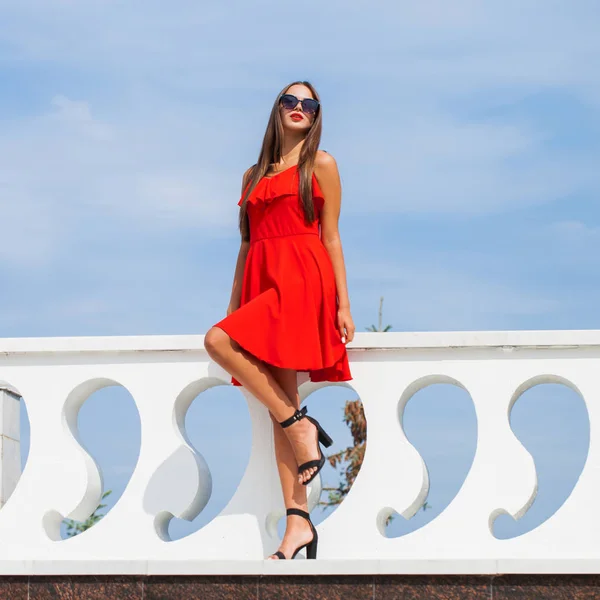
column 270, row 154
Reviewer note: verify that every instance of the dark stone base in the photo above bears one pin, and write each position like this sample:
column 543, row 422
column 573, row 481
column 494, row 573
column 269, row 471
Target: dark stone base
column 301, row 587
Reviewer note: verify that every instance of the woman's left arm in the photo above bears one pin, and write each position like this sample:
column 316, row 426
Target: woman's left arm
column 328, row 176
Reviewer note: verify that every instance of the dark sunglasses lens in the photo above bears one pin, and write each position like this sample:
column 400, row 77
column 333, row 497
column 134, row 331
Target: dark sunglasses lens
column 310, row 106
column 288, row 101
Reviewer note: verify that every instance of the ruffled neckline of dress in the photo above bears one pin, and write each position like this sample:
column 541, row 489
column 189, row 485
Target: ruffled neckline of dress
column 280, row 184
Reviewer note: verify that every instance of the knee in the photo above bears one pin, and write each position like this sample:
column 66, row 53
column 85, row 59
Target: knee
column 214, row 341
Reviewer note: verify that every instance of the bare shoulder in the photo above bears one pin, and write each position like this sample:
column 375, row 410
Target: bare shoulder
column 326, row 171
column 325, row 162
column 246, row 177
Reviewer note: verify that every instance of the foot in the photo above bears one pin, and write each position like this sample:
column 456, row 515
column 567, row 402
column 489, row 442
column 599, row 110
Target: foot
column 297, row 533
column 304, row 438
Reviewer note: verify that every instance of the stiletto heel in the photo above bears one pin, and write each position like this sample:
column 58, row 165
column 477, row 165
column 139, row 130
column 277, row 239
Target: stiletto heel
column 322, row 438
column 311, row 547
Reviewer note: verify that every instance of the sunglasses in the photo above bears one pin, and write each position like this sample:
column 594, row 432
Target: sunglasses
column 309, row 105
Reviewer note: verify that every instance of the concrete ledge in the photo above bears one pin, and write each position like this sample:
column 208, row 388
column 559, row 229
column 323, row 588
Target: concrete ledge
column 298, row 567
column 279, row 587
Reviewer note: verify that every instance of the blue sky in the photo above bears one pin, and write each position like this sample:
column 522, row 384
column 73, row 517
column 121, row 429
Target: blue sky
column 466, row 135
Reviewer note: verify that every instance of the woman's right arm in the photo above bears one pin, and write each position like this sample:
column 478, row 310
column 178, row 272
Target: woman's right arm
column 236, row 290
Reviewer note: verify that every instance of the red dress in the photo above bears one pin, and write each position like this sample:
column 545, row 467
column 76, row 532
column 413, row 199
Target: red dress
column 288, row 308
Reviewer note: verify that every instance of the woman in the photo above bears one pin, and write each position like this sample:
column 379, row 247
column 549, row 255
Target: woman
column 289, row 308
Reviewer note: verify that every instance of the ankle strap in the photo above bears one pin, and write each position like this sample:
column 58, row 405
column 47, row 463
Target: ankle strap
column 299, row 414
column 297, row 511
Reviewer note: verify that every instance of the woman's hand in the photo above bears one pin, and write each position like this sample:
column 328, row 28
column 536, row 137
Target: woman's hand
column 345, row 325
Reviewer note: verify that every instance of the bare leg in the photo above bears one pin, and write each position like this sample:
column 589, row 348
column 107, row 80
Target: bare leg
column 258, row 379
column 297, row 529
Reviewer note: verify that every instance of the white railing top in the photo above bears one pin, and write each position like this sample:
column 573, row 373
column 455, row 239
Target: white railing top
column 362, row 341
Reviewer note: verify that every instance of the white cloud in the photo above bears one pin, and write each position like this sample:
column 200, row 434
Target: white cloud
column 573, row 231
column 64, row 171
column 79, row 115
column 571, row 245
column 436, row 164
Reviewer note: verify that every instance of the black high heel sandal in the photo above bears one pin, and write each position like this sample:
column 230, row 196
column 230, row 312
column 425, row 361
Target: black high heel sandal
column 311, row 547
column 322, row 438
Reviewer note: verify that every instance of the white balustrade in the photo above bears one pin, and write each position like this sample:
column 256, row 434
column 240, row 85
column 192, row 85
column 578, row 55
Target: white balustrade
column 164, row 374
